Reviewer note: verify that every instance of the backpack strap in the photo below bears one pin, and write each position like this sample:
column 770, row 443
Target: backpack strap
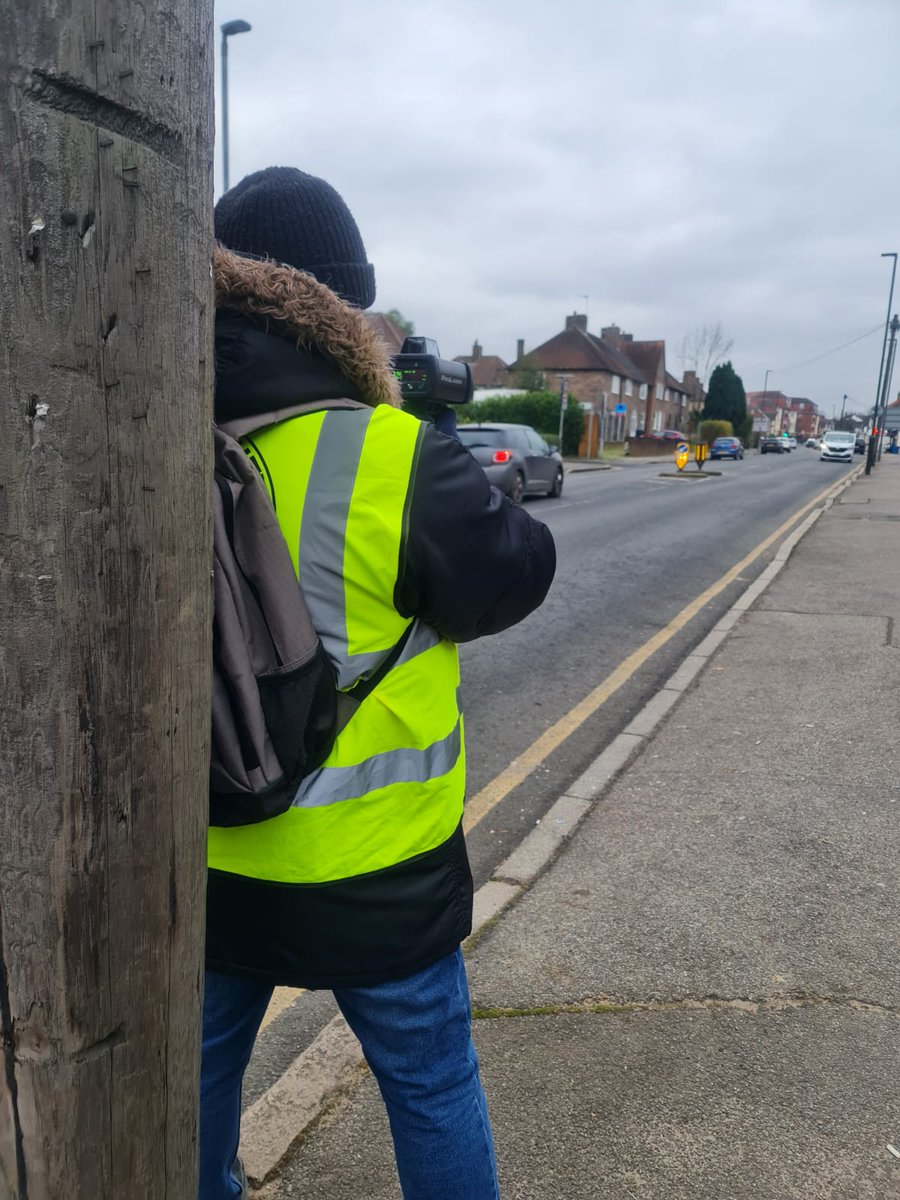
column 242, row 426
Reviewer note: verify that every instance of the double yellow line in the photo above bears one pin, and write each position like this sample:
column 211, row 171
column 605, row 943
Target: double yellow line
column 499, row 788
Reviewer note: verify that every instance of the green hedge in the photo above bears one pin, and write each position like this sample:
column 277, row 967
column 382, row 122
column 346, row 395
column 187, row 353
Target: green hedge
column 540, row 410
column 710, row 430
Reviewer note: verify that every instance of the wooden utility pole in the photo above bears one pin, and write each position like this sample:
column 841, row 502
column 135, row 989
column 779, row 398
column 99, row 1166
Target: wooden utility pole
column 105, row 376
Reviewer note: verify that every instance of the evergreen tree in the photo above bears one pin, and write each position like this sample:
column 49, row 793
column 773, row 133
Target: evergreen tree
column 400, row 321
column 726, row 399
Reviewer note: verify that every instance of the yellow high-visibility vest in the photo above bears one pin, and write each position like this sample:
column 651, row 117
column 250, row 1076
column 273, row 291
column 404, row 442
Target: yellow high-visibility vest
column 394, row 783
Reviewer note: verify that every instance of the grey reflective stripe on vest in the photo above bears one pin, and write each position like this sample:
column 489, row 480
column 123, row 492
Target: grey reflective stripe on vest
column 323, row 532
column 422, row 638
column 330, row 785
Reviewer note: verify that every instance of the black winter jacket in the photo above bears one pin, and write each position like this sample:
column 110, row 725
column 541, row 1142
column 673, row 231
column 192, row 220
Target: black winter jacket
column 475, row 564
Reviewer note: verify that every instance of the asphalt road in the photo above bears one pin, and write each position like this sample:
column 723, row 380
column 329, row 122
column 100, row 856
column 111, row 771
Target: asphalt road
column 633, row 549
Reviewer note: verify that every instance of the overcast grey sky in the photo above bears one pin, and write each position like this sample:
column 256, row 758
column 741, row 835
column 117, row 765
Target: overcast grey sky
column 677, row 161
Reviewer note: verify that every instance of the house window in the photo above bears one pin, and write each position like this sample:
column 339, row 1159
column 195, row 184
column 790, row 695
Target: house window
column 657, row 422
column 643, row 391
column 615, row 385
column 629, row 388
column 659, row 391
column 632, row 424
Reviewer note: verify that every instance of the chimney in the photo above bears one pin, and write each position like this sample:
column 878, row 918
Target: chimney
column 520, row 349
column 577, row 321
column 612, row 333
column 627, row 337
column 476, row 351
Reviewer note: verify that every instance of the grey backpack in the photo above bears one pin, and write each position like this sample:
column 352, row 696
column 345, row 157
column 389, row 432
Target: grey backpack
column 274, row 702
column 276, row 709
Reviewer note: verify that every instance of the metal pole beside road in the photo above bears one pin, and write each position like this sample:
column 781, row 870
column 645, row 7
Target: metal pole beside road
column 563, row 405
column 874, row 447
column 229, row 28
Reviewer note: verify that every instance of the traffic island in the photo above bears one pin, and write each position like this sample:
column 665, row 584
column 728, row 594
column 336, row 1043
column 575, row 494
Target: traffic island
column 689, row 474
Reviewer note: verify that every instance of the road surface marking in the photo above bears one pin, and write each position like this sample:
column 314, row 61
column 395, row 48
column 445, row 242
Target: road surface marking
column 282, row 998
column 480, row 805
column 510, row 777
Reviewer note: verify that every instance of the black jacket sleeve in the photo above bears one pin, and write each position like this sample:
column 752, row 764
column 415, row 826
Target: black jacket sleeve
column 474, row 562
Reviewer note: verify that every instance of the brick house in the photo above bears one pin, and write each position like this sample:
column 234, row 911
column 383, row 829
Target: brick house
column 696, row 399
column 599, row 378
column 777, row 407
column 677, row 398
column 807, row 418
column 610, row 371
column 392, row 335
column 488, row 370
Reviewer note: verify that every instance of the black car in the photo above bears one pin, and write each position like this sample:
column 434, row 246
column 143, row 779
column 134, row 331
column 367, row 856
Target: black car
column 515, row 458
column 771, row 443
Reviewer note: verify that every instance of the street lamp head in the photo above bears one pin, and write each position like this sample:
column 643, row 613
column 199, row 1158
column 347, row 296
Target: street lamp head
column 231, row 27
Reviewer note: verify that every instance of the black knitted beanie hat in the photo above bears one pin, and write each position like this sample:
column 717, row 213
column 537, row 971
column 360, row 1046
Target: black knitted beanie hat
column 301, row 221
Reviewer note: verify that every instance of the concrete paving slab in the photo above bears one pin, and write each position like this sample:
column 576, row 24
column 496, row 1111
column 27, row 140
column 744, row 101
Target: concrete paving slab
column 535, row 851
column 652, row 713
column 714, row 640
column 834, row 564
column 709, row 1104
column 749, row 851
column 686, row 673
column 324, row 1069
column 605, row 766
column 490, row 899
column 279, row 1043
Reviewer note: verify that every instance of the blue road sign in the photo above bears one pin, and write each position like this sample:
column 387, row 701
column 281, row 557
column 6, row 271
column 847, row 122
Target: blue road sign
column 620, row 408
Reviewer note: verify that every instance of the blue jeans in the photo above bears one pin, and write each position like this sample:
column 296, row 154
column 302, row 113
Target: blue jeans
column 416, row 1036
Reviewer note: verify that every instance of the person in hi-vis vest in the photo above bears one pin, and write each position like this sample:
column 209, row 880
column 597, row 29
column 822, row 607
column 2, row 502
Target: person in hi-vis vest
column 363, row 886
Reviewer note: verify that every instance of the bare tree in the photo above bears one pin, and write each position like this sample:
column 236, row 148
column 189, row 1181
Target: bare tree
column 703, row 349
column 105, row 557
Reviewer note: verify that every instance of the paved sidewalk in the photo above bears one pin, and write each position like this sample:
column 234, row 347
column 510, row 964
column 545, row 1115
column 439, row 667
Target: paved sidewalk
column 700, row 998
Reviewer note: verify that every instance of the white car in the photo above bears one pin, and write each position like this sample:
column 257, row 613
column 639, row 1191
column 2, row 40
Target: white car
column 791, row 441
column 837, row 446
column 813, row 443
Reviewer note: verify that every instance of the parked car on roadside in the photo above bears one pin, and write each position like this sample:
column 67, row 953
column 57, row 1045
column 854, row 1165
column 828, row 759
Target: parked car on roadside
column 673, row 435
column 859, row 446
column 515, row 458
column 727, row 447
column 791, row 441
column 837, row 446
column 772, row 443
column 812, row 443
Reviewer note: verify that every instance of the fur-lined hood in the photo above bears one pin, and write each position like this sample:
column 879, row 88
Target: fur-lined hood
column 307, row 313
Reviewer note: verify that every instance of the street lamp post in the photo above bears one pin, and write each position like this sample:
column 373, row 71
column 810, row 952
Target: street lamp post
column 766, row 392
column 229, row 28
column 879, row 417
column 886, row 381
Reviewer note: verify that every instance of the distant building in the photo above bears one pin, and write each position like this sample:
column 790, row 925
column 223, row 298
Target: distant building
column 807, row 418
column 777, row 407
column 389, row 332
column 488, row 370
column 615, row 375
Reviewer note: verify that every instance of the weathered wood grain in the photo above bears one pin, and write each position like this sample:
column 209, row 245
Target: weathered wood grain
column 105, row 408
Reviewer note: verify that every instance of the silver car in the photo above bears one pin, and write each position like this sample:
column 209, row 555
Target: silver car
column 515, row 458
